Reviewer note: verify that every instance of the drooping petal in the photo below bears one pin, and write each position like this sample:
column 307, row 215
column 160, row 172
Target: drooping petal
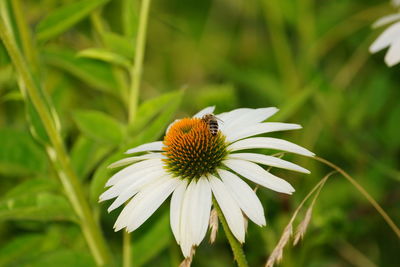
column 258, row 175
column 176, row 209
column 201, row 113
column 392, row 56
column 154, row 146
column 245, row 196
column 386, row 38
column 260, row 128
column 129, row 190
column 139, row 168
column 149, row 199
column 268, row 160
column 229, row 207
column 270, row 143
column 201, row 208
column 130, row 160
column 186, row 235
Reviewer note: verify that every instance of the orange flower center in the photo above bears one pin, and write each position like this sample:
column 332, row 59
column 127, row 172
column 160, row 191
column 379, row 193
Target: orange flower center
column 191, row 149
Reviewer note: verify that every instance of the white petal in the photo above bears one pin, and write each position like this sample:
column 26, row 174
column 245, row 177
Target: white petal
column 154, row 146
column 386, row 20
column 239, row 118
column 260, row 128
column 176, row 209
column 386, row 38
column 270, row 143
column 149, row 199
column 268, row 160
column 258, row 175
column 200, row 209
column 393, row 55
column 201, row 113
column 244, row 196
column 129, row 190
column 140, row 167
column 186, row 235
column 130, row 160
column 229, row 207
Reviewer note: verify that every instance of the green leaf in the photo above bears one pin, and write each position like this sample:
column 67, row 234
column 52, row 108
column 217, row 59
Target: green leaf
column 18, row 248
column 19, row 154
column 85, row 155
column 106, row 56
column 159, row 124
column 64, row 258
column 99, row 126
column 35, row 199
column 93, row 72
column 65, row 17
column 154, row 241
column 150, row 108
column 119, row 44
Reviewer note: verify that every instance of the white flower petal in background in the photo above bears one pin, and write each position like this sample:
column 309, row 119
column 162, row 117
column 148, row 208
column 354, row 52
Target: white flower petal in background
column 269, row 161
column 389, row 38
column 130, row 160
column 154, row 146
column 176, row 209
column 392, row 56
column 245, row 197
column 386, row 20
column 229, row 207
column 207, row 110
column 258, row 175
column 269, row 143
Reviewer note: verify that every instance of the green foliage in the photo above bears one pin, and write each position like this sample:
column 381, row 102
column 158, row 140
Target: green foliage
column 65, row 17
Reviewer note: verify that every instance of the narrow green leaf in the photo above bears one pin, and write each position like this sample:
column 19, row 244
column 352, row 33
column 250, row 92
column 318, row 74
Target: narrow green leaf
column 93, row 72
column 85, row 155
column 30, row 187
column 150, row 108
column 65, row 17
column 18, row 248
column 99, row 126
column 43, row 206
column 19, row 154
column 119, row 44
column 106, row 56
column 154, row 241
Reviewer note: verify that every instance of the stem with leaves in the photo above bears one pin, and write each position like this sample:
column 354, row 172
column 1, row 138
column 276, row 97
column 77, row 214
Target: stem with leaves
column 236, row 247
column 56, row 150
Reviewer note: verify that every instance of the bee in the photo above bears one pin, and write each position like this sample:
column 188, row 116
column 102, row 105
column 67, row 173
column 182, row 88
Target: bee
column 212, row 123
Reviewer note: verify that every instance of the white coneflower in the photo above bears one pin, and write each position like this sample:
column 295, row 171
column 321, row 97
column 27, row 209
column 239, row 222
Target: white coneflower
column 389, row 37
column 193, row 163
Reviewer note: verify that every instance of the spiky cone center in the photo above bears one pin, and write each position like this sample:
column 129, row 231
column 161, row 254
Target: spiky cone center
column 191, row 149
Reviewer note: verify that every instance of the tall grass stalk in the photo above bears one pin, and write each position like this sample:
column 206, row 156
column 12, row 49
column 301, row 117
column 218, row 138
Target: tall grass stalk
column 57, row 153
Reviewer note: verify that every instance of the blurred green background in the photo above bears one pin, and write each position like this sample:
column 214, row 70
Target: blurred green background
column 309, row 58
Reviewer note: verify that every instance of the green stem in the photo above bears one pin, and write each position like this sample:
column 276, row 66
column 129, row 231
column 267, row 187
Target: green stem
column 57, row 152
column 236, row 247
column 126, row 249
column 136, row 73
column 361, row 189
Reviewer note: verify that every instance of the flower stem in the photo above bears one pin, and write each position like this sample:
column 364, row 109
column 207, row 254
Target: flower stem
column 126, row 249
column 361, row 189
column 136, row 73
column 57, row 152
column 236, row 247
